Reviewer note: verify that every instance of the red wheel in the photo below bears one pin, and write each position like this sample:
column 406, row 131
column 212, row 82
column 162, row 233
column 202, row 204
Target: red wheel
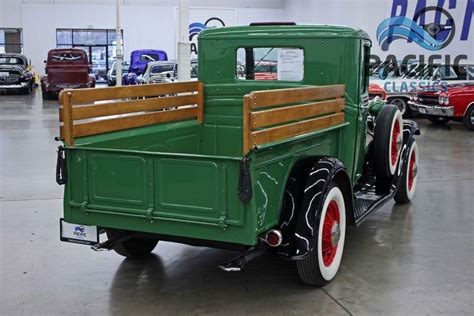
column 406, row 191
column 324, row 260
column 388, row 140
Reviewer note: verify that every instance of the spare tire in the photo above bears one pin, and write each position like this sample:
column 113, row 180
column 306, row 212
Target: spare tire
column 388, row 140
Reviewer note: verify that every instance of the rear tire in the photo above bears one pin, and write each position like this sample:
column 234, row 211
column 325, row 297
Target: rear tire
column 134, row 248
column 438, row 120
column 388, row 140
column 322, row 263
column 468, row 119
column 45, row 95
column 406, row 190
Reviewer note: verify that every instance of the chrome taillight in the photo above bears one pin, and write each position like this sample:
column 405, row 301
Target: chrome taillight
column 274, row 238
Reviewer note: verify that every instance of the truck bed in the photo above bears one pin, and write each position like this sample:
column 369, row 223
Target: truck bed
column 179, row 177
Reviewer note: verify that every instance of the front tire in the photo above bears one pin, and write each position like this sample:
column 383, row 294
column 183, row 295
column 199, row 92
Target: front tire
column 402, row 105
column 388, row 140
column 321, row 265
column 134, row 248
column 468, row 119
column 406, row 190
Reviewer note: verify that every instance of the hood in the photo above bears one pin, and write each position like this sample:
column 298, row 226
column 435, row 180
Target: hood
column 460, row 89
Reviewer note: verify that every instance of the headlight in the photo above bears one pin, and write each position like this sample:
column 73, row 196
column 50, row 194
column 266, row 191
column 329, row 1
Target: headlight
column 415, row 97
column 446, row 101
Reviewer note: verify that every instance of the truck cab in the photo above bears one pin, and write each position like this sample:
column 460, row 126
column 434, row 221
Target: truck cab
column 238, row 160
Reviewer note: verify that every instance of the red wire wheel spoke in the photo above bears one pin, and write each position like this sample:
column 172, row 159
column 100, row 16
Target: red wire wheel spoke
column 394, row 145
column 411, row 171
column 331, row 219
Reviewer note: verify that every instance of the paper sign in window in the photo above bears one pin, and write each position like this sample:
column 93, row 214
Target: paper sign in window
column 290, row 64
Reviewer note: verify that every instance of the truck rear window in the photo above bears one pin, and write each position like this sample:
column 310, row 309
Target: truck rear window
column 66, row 57
column 270, row 63
column 150, row 57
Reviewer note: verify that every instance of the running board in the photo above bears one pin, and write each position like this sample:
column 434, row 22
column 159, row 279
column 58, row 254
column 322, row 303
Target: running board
column 368, row 200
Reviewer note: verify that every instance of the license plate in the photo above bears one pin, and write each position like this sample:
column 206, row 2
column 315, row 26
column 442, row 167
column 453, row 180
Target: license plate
column 4, row 74
column 422, row 110
column 77, row 233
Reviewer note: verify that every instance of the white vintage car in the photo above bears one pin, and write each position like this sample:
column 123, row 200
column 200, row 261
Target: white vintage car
column 158, row 71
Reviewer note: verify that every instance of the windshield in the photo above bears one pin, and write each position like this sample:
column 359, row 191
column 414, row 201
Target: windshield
column 162, row 68
column 66, row 57
column 11, row 61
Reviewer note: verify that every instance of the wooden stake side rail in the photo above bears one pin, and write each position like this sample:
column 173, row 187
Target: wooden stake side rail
column 166, row 102
column 296, row 111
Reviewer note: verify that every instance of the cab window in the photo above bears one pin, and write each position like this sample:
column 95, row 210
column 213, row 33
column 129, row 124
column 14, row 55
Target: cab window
column 270, row 63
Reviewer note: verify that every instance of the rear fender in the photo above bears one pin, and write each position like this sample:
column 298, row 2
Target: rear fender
column 410, row 129
column 298, row 217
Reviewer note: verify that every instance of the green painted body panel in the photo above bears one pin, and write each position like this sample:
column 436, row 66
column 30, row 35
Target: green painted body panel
column 181, row 179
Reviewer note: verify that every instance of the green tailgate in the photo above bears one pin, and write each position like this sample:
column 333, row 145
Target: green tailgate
column 174, row 194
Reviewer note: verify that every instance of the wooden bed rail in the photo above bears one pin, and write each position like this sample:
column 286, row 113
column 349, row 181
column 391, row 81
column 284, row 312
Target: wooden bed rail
column 293, row 112
column 85, row 112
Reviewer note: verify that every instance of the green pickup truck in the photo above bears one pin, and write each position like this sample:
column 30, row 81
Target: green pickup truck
column 240, row 159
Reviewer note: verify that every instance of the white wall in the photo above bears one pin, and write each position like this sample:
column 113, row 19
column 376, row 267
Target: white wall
column 146, row 23
column 368, row 14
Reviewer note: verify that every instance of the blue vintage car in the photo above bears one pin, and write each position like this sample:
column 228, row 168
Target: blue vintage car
column 138, row 61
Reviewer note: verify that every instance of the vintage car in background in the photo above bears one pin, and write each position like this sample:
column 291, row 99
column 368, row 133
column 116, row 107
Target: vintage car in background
column 238, row 163
column 138, row 61
column 399, row 80
column 376, row 91
column 15, row 73
column 456, row 103
column 165, row 71
column 99, row 70
column 66, row 69
column 266, row 70
column 112, row 74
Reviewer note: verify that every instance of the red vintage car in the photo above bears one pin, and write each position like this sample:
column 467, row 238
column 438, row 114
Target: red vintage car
column 66, row 69
column 456, row 103
column 376, row 91
column 266, row 70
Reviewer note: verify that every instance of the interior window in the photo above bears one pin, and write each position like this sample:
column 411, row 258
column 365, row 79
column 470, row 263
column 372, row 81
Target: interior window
column 270, row 63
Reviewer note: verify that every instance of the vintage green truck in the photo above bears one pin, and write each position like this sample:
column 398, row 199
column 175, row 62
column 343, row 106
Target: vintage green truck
column 279, row 162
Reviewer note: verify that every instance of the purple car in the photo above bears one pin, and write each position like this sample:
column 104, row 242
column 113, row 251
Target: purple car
column 138, row 61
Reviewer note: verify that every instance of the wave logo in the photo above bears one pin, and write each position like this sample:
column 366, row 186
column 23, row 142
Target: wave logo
column 196, row 27
column 433, row 36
